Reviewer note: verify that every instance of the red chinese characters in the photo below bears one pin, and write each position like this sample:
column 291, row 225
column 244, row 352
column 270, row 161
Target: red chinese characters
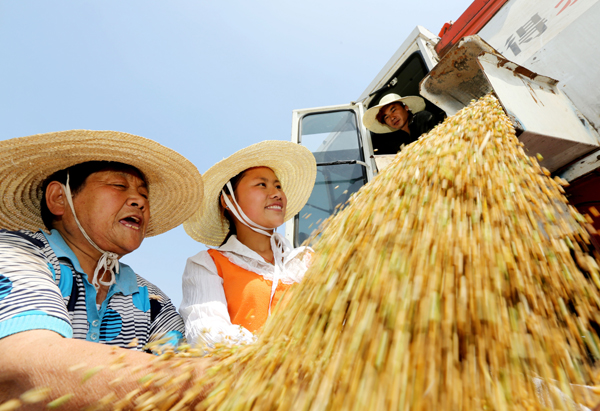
column 567, row 4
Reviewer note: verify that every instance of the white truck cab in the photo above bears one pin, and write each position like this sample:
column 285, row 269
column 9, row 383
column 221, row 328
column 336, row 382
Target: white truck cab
column 495, row 46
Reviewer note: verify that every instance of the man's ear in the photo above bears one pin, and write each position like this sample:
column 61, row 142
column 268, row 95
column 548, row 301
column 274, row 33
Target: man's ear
column 55, row 198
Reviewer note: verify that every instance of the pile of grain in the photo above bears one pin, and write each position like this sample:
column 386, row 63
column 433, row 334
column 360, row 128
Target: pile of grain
column 458, row 279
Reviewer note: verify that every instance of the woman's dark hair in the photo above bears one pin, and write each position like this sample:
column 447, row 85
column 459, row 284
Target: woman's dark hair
column 78, row 174
column 380, row 114
column 235, row 181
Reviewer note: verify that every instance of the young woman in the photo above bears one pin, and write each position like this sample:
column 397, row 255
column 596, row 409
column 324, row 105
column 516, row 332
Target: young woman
column 229, row 291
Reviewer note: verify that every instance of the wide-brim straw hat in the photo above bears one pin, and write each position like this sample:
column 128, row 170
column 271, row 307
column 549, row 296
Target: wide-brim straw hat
column 175, row 186
column 414, row 104
column 293, row 164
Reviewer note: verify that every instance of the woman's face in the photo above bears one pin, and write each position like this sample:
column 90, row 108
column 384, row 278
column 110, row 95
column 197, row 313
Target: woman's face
column 261, row 197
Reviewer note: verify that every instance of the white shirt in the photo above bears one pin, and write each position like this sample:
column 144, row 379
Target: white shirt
column 204, row 306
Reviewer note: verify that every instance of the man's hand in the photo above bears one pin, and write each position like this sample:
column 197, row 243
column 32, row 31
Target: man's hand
column 41, row 358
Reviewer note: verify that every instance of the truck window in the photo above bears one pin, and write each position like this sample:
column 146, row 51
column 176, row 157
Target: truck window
column 334, row 139
column 408, row 77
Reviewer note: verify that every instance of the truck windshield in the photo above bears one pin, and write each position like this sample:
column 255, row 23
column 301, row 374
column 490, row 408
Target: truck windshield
column 334, row 139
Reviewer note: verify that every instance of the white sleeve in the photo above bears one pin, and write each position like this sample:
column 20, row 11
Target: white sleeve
column 204, row 306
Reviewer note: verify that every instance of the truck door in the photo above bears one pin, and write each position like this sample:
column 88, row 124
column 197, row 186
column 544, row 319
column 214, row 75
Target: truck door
column 342, row 145
column 334, row 135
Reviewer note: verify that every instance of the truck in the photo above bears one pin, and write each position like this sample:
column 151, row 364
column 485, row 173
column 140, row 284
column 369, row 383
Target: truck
column 540, row 59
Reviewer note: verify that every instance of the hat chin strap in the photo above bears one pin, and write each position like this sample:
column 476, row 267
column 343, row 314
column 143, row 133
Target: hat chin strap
column 108, row 261
column 279, row 244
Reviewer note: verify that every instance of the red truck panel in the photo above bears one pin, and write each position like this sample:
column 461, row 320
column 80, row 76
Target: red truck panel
column 470, row 22
column 583, row 194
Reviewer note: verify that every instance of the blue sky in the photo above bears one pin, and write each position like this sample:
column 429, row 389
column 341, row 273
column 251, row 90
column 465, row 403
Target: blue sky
column 205, row 78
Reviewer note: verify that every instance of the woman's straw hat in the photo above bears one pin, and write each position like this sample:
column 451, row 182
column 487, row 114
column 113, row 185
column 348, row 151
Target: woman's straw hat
column 174, row 183
column 414, row 104
column 294, row 166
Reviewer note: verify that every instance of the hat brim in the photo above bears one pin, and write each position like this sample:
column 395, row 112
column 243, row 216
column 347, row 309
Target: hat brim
column 175, row 186
column 293, row 164
column 414, row 104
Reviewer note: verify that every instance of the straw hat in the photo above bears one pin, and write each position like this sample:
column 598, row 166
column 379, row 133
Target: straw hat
column 293, row 164
column 174, row 184
column 414, row 104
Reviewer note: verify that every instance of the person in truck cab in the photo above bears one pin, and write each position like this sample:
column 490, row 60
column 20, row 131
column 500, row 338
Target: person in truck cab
column 73, row 203
column 396, row 121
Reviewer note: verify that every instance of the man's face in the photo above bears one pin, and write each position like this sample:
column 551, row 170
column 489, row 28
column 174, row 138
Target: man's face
column 112, row 207
column 395, row 116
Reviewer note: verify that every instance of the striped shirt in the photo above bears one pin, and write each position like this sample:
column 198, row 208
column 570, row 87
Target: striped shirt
column 42, row 287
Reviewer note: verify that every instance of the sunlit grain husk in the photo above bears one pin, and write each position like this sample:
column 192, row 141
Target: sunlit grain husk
column 458, row 279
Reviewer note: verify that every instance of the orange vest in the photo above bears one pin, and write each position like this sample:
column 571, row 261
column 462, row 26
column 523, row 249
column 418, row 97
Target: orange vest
column 247, row 293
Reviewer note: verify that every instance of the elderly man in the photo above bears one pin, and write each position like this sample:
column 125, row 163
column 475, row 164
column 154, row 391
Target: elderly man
column 65, row 298
column 396, row 121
